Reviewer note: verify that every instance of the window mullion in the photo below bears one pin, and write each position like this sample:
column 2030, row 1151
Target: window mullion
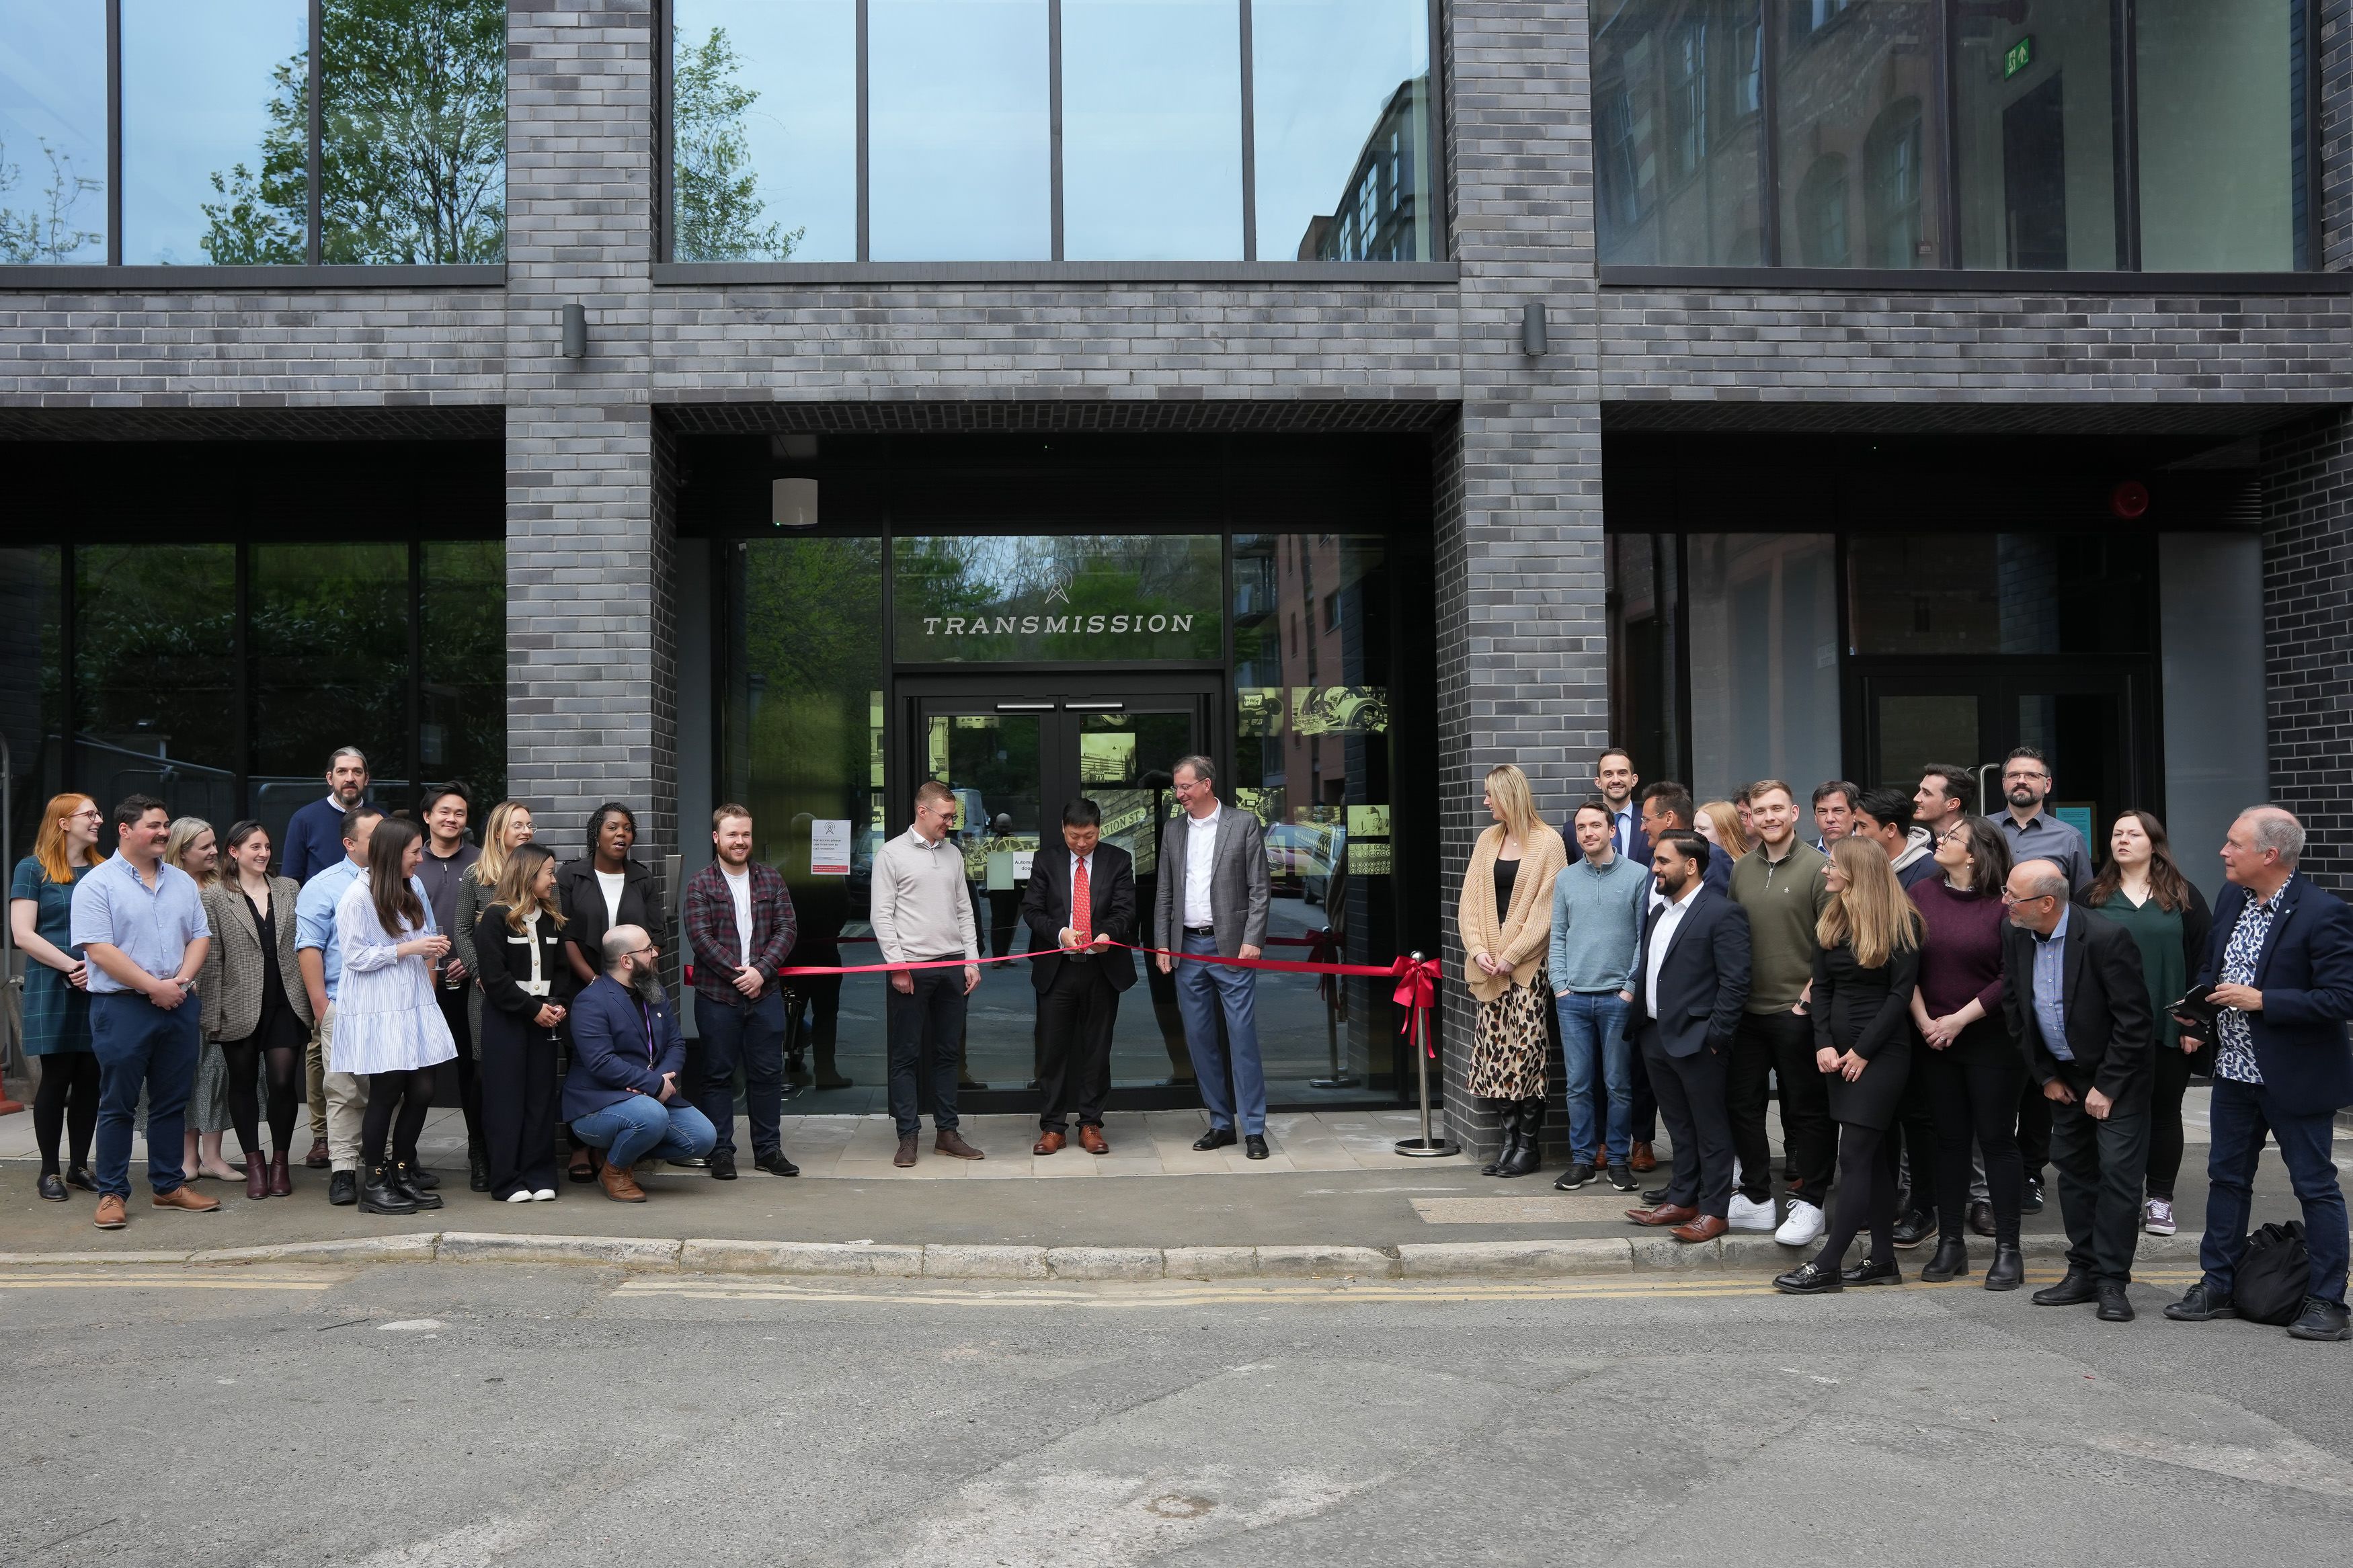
column 316, row 135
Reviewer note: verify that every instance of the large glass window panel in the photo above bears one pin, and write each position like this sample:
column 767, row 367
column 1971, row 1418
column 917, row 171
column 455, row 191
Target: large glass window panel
column 2034, row 125
column 963, row 599
column 1645, row 686
column 1764, row 660
column 1152, row 130
column 1678, row 132
column 413, row 164
column 462, row 714
column 216, row 132
column 52, row 130
column 958, row 160
column 2001, row 593
column 1340, row 117
column 328, row 639
column 156, row 676
column 28, row 684
column 1856, row 95
column 763, row 131
column 2220, row 108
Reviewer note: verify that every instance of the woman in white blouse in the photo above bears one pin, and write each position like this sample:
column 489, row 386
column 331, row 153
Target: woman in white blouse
column 519, row 957
column 388, row 1023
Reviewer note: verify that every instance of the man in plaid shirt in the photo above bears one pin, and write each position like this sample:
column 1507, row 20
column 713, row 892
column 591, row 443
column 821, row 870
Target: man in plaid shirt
column 740, row 930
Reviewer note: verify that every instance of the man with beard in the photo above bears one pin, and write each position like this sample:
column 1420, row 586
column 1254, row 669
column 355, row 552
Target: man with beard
column 314, row 835
column 622, row 1094
column 2034, row 834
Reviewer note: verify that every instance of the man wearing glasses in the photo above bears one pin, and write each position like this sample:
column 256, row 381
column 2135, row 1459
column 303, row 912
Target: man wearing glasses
column 622, row 1094
column 2033, row 833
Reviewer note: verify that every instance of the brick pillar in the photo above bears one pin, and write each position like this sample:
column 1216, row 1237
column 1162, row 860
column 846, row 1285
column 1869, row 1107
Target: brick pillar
column 2307, row 640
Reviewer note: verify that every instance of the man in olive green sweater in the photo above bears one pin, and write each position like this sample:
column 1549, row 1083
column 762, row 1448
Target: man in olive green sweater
column 1783, row 884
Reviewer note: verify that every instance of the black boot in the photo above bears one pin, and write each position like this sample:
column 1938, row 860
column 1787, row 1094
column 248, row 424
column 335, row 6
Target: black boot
column 1507, row 1122
column 478, row 1171
column 2008, row 1270
column 1527, row 1157
column 380, row 1194
column 404, row 1177
column 1951, row 1262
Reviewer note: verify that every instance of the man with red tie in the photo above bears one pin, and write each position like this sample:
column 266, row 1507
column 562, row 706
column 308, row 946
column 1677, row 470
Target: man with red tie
column 1081, row 900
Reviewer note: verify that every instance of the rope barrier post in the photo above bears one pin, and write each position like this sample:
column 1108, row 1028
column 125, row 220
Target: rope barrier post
column 1424, row 1147
column 1336, row 1078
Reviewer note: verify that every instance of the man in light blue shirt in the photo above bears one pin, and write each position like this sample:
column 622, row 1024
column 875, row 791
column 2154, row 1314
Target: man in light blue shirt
column 2051, row 988
column 1597, row 905
column 141, row 923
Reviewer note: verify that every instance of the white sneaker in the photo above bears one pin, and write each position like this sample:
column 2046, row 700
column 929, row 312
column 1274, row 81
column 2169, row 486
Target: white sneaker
column 2157, row 1217
column 1803, row 1227
column 1746, row 1214
column 519, row 1196
column 544, row 1196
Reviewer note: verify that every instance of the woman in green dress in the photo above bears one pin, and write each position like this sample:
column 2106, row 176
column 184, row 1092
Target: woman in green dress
column 57, row 998
column 2142, row 890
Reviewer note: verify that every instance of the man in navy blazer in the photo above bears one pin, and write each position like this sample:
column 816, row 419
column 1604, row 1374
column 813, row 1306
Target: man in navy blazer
column 2279, row 964
column 1691, row 982
column 1079, row 982
column 622, row 1094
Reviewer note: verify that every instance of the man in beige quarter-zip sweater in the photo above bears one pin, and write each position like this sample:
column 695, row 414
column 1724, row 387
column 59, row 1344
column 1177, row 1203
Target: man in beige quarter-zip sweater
column 923, row 910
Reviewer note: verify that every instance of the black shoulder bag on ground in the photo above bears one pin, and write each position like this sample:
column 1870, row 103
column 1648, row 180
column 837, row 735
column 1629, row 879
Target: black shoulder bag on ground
column 2275, row 1277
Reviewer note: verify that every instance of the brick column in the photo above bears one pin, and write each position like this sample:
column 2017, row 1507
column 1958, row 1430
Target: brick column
column 2307, row 640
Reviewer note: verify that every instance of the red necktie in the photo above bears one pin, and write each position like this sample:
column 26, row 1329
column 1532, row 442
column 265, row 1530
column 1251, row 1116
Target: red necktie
column 1083, row 903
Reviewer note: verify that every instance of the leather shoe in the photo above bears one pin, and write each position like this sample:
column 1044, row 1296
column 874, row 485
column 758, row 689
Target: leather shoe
column 951, row 1142
column 1869, row 1273
column 1254, row 1145
column 1091, row 1139
column 110, row 1213
column 1982, row 1218
column 776, row 1162
column 1643, row 1159
column 1916, row 1227
column 2031, row 1198
column 53, row 1187
column 1663, row 1215
column 343, row 1188
column 2114, row 1308
column 2008, row 1270
column 317, row 1158
column 905, row 1158
column 1951, row 1262
column 2322, row 1320
column 619, row 1185
column 2073, row 1290
column 1707, row 1227
column 80, row 1176
column 1809, row 1278
column 722, row 1165
column 420, row 1178
column 1655, row 1195
column 2201, row 1303
column 1048, row 1143
column 187, row 1201
column 1215, row 1137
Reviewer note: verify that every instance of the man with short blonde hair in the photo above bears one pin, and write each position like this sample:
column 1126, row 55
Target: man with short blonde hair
column 923, row 912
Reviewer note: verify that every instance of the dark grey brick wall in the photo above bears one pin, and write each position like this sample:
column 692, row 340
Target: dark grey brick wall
column 2308, row 636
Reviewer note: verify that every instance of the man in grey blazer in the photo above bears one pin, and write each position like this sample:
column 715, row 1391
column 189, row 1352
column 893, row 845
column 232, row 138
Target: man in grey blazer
column 1214, row 890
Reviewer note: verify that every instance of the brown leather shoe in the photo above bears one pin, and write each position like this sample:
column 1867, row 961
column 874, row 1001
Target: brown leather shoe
column 110, row 1215
column 1707, row 1227
column 186, row 1199
column 905, row 1158
column 1664, row 1215
column 1091, row 1139
column 316, row 1159
column 1048, row 1143
column 1643, row 1160
column 951, row 1142
column 619, row 1185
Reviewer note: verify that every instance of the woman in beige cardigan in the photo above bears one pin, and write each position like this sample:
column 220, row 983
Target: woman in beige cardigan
column 1506, row 924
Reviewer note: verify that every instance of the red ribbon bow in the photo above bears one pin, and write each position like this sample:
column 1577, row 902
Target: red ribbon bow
column 1417, row 989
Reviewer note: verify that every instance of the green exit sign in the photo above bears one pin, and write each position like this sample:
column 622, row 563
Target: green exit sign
column 2020, row 56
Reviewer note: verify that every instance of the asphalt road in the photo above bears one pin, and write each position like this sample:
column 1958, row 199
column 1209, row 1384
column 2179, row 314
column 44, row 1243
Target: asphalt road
column 445, row 1415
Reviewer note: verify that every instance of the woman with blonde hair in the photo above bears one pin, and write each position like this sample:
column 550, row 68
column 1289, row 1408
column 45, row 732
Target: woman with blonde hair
column 507, row 829
column 1718, row 822
column 1866, row 966
column 56, row 986
column 1506, row 922
column 526, row 980
column 195, row 848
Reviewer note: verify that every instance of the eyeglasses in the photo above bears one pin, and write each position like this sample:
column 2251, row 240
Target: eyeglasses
column 2009, row 898
column 90, row 814
column 1954, row 836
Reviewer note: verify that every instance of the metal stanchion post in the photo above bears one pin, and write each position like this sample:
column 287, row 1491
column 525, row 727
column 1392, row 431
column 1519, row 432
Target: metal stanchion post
column 1337, row 1080
column 1425, row 1147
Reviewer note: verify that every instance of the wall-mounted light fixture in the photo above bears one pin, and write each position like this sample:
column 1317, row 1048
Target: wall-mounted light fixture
column 792, row 503
column 1533, row 339
column 575, row 332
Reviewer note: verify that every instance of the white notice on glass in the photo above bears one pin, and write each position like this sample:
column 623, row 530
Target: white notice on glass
column 829, row 848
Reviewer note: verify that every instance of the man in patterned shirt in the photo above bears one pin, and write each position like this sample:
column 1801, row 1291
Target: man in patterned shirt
column 2279, row 964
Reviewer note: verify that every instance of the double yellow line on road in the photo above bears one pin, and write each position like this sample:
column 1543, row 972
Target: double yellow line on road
column 169, row 1278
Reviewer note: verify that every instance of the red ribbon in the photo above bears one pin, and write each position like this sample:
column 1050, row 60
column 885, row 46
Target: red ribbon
column 1417, row 989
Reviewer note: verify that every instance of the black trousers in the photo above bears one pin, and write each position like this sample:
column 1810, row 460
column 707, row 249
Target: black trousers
column 470, row 1086
column 750, row 1035
column 1866, row 1195
column 1691, row 1093
column 517, row 1083
column 1779, row 1044
column 2165, row 1119
column 1642, row 1115
column 1917, row 1125
column 1971, row 1088
column 2101, row 1165
column 1075, row 1016
column 924, row 1024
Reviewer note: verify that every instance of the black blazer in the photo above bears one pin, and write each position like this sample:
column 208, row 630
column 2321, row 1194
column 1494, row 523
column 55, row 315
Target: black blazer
column 1046, row 910
column 1703, row 978
column 582, row 899
column 502, row 963
column 2305, row 973
column 2105, row 999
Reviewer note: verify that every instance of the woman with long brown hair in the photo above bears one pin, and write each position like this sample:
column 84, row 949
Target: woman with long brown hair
column 388, row 1024
column 256, row 1013
column 56, row 986
column 1865, row 967
column 524, row 980
column 2142, row 890
column 1505, row 921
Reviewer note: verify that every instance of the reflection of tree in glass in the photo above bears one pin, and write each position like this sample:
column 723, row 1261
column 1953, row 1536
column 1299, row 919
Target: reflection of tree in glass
column 46, row 231
column 718, row 204
column 812, row 624
column 154, row 630
column 412, row 159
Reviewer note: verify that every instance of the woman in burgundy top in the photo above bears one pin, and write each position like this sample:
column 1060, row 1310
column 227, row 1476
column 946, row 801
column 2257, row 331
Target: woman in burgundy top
column 1971, row 1073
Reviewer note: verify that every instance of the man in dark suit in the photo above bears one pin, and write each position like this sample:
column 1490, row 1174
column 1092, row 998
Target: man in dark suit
column 1614, row 779
column 2279, row 964
column 1081, row 900
column 2075, row 998
column 1691, row 982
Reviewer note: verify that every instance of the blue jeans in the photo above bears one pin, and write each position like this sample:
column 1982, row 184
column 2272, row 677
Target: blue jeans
column 1201, row 990
column 139, row 1044
column 754, row 1035
column 2240, row 1115
column 641, row 1126
column 1594, row 1022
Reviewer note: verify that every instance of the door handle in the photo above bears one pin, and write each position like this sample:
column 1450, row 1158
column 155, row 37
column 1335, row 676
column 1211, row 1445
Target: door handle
column 1094, row 707
column 1025, row 707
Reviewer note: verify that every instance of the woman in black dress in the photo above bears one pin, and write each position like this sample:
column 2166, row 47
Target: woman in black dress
column 519, row 956
column 1864, row 970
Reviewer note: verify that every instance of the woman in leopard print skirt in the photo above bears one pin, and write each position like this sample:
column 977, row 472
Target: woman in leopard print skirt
column 1505, row 920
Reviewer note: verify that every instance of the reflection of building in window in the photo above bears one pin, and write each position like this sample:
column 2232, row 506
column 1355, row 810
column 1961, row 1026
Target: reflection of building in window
column 1822, row 212
column 1677, row 94
column 1380, row 211
column 1895, row 152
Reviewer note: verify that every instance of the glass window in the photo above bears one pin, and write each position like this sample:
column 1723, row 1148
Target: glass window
column 1764, row 660
column 156, row 676
column 763, row 131
column 1856, row 78
column 413, row 160
column 1677, row 101
column 2221, row 133
column 958, row 155
column 1341, row 121
column 1645, row 689
column 1152, row 130
column 328, row 637
column 216, row 132
column 2001, row 592
column 52, row 130
column 28, row 684
column 2035, row 129
column 462, row 713
column 966, row 599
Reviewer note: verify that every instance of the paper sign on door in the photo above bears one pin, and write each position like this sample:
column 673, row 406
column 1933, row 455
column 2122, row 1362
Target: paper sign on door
column 829, row 848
